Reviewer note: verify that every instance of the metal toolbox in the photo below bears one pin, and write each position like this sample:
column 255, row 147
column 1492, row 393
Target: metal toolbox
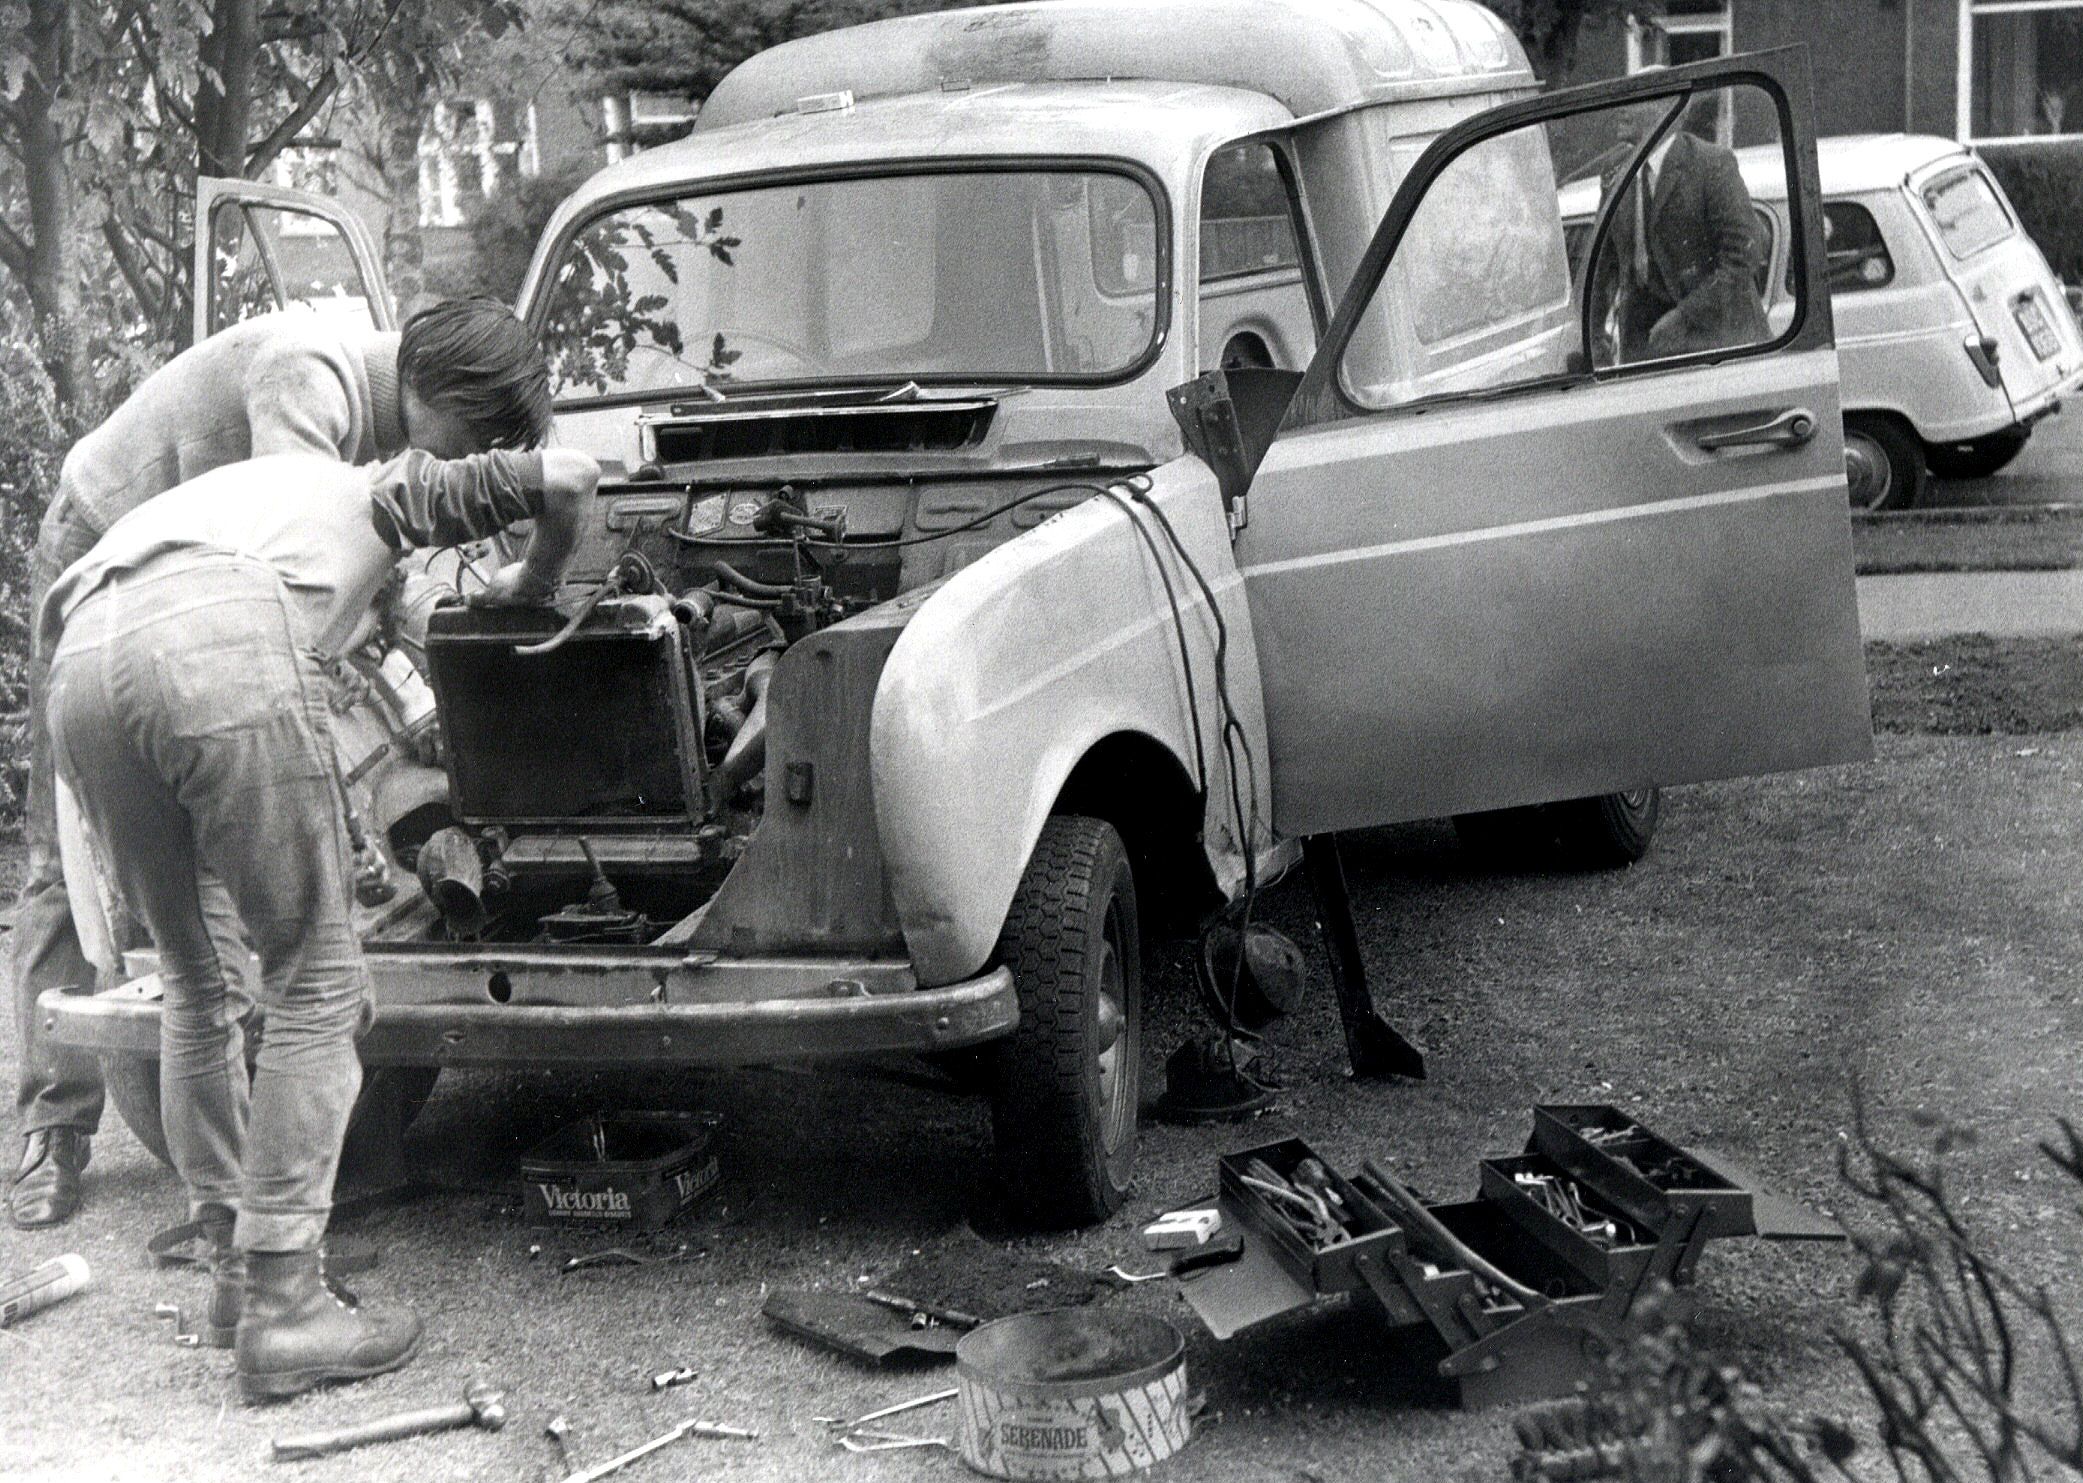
column 1647, row 1178
column 1518, row 1286
column 1328, row 1269
column 1605, row 1260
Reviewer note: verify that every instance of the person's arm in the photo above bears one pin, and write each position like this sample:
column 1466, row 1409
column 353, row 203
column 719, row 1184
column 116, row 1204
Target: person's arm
column 1729, row 229
column 568, row 481
column 419, row 500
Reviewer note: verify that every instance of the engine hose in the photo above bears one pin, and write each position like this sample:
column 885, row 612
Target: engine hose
column 749, row 585
column 1411, row 1208
column 740, row 600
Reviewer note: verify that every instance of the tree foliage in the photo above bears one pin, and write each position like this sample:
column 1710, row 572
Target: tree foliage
column 684, row 47
column 1549, row 29
column 110, row 110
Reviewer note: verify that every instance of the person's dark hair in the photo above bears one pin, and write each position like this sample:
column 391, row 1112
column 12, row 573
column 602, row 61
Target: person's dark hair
column 472, row 357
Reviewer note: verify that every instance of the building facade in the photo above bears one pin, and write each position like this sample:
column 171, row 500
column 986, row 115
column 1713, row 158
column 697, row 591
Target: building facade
column 1982, row 71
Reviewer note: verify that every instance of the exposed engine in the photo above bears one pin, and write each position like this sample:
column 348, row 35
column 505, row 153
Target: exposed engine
column 600, row 770
column 607, row 761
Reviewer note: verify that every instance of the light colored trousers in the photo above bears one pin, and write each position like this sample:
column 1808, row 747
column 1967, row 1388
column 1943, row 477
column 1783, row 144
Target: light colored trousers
column 58, row 1086
column 189, row 719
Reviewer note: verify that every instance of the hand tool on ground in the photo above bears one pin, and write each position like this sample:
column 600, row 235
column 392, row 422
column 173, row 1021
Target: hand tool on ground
column 184, row 1336
column 557, row 1430
column 481, row 1406
column 714, row 1429
column 887, row 1442
column 614, row 1256
column 849, row 1424
column 953, row 1317
column 667, row 1379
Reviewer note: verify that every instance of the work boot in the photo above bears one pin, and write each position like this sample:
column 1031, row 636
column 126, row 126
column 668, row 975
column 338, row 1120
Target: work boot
column 46, row 1188
column 227, row 1266
column 294, row 1333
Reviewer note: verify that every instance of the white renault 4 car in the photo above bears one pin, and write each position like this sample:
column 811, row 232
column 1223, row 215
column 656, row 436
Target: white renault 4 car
column 1954, row 337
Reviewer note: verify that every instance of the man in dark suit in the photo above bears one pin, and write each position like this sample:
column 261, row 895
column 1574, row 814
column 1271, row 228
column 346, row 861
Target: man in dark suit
column 1685, row 249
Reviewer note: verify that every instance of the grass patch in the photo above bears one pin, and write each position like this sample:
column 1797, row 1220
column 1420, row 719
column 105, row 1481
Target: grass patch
column 1975, row 685
column 2036, row 542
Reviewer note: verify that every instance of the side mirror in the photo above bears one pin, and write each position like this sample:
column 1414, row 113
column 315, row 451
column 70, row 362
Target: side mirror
column 1229, row 418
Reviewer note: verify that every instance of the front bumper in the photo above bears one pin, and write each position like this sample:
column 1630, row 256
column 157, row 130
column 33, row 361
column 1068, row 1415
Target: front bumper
column 436, row 1006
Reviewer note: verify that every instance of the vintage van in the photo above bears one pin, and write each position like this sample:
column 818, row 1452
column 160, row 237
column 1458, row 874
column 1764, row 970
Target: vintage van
column 1061, row 456
column 1954, row 338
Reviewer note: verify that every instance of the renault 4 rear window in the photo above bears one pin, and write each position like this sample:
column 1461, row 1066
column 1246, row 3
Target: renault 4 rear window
column 1858, row 257
column 1967, row 211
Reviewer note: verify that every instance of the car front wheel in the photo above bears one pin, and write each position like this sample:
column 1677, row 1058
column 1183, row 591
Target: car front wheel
column 1883, row 463
column 1065, row 1089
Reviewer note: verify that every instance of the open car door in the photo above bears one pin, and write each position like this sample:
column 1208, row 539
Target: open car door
column 1531, row 532
column 259, row 248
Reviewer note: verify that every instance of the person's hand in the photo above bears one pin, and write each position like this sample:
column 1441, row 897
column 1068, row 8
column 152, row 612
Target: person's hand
column 513, row 586
column 569, row 478
column 568, row 471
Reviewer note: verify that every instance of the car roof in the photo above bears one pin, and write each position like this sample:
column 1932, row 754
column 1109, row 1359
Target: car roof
column 1848, row 164
column 1312, row 55
column 1154, row 123
column 1165, row 126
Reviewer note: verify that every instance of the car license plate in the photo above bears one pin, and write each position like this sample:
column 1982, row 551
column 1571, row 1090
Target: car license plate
column 2033, row 320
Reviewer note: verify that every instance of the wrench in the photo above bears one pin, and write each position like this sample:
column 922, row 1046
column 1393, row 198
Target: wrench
column 843, row 1424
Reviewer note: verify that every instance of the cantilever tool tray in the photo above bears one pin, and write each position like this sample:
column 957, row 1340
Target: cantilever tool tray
column 1525, row 1284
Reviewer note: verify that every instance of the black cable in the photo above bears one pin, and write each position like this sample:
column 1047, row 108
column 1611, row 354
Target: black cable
column 689, row 538
column 1232, row 733
column 1171, row 595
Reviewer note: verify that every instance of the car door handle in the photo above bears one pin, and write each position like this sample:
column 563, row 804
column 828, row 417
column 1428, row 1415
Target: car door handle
column 1787, row 430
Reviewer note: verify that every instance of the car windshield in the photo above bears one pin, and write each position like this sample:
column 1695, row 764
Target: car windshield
column 949, row 276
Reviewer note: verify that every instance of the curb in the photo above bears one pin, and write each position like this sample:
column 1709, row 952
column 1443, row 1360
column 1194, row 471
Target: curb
column 1972, row 515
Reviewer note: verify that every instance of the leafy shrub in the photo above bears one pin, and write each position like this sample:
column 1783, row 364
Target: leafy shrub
column 1971, row 1372
column 506, row 228
column 2045, row 183
column 32, row 444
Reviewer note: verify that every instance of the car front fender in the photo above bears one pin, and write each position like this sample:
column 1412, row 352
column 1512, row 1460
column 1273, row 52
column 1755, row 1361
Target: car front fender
column 1018, row 666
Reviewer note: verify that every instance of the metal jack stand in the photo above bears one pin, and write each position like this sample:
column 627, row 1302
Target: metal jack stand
column 1373, row 1045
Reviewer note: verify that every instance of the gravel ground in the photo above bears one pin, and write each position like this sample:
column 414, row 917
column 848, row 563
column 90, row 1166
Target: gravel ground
column 1911, row 922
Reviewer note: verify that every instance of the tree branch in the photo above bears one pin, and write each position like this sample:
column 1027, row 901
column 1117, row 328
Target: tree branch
column 14, row 252
column 278, row 138
column 131, row 264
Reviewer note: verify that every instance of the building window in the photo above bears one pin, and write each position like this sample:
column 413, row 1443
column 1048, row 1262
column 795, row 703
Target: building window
column 313, row 167
column 637, row 121
column 1688, row 31
column 464, row 154
column 2023, row 77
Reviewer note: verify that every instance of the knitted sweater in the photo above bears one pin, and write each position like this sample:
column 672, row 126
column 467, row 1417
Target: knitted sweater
column 290, row 382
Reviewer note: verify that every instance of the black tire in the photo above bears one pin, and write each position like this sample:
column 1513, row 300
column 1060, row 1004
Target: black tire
column 1883, row 462
column 1610, row 831
column 1602, row 833
column 1502, row 836
column 1978, row 459
column 1065, row 1093
column 133, row 1088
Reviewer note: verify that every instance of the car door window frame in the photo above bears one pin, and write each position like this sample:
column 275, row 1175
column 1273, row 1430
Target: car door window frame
column 215, row 193
column 1323, row 395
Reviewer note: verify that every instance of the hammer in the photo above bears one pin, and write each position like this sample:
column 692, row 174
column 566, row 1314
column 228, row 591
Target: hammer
column 481, row 1406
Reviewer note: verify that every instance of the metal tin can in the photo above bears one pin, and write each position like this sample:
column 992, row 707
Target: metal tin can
column 1068, row 1393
